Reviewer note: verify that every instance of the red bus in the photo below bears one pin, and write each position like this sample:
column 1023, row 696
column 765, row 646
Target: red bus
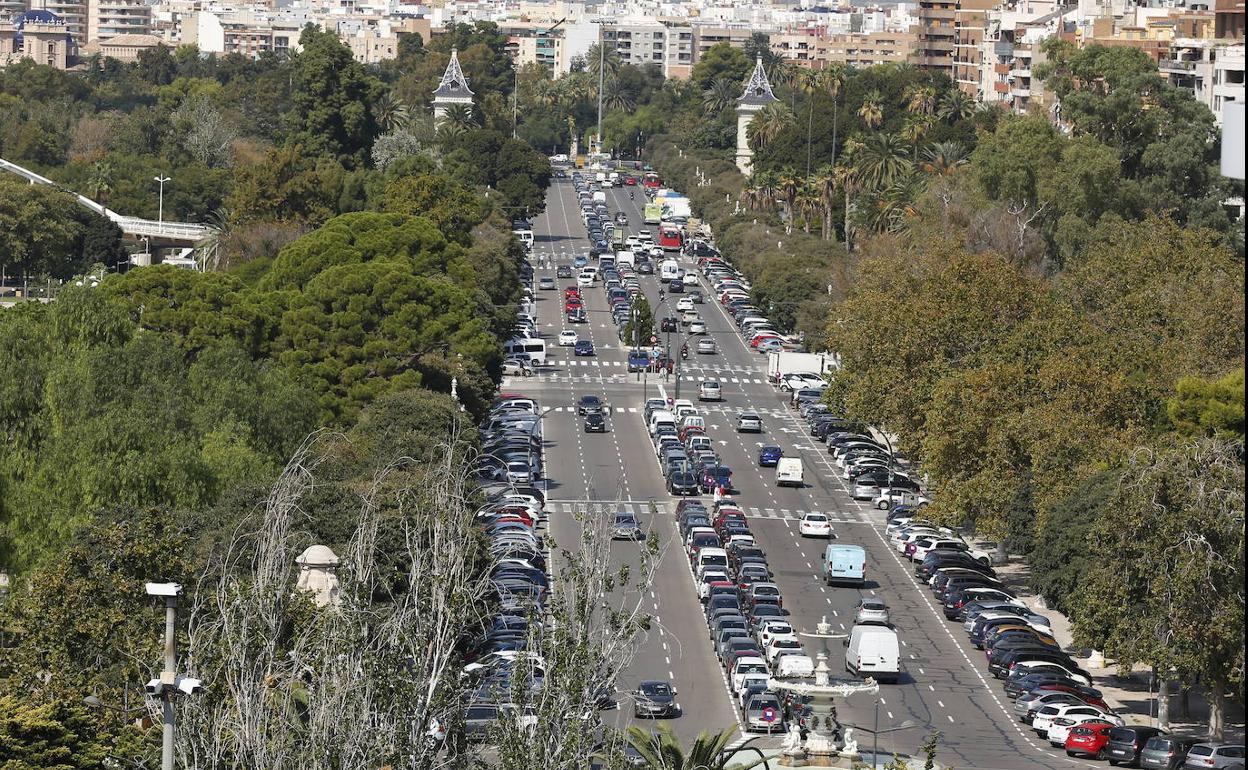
column 671, row 238
column 651, row 179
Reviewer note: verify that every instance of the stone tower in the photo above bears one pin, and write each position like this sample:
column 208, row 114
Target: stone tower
column 453, row 89
column 757, row 96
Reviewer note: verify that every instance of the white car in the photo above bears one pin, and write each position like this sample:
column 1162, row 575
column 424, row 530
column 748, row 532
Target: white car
column 515, row 366
column 775, row 629
column 1045, row 716
column 1060, row 729
column 568, row 338
column 585, row 279
column 690, row 279
column 697, row 327
column 708, row 577
column 684, row 304
column 890, row 498
column 815, row 524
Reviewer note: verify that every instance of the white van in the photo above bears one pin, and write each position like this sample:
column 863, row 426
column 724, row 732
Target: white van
column 525, row 236
column 873, row 651
column 669, row 270
column 789, row 472
column 711, row 558
column 625, row 258
column 661, row 417
column 600, row 197
column 794, row 666
column 692, row 421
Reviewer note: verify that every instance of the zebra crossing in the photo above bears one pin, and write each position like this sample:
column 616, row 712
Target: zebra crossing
column 668, row 508
column 704, row 409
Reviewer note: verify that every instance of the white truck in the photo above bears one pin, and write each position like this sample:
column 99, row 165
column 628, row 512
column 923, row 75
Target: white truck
column 782, row 362
column 625, row 257
column 789, row 472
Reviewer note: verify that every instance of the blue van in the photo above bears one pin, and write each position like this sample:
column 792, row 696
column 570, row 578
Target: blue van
column 845, row 564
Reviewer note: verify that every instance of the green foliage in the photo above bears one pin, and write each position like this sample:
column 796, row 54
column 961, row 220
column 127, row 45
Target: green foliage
column 36, row 236
column 1061, row 556
column 51, row 736
column 1172, row 595
column 452, row 207
column 89, row 604
column 333, row 98
column 721, row 61
column 1209, row 406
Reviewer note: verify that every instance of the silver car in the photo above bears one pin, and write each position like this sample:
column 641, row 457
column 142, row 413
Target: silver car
column 749, row 422
column 871, row 612
column 706, row 346
column 625, row 527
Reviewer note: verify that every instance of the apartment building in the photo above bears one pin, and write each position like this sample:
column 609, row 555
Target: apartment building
column 707, row 35
column 817, row 48
column 970, row 25
column 112, row 18
column 532, row 42
column 937, row 34
column 668, row 44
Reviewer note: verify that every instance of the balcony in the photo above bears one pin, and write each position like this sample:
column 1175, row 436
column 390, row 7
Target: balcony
column 936, row 61
column 1020, row 92
column 1020, row 72
column 1178, row 66
column 936, row 14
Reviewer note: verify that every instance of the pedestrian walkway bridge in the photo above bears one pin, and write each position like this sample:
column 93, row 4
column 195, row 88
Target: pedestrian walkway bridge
column 185, row 233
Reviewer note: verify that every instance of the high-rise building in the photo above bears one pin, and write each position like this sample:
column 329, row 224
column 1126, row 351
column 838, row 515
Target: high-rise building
column 110, row 18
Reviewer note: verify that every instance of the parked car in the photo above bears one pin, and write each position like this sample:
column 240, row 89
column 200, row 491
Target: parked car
column 1088, row 740
column 1221, row 756
column 1166, row 752
column 1126, row 743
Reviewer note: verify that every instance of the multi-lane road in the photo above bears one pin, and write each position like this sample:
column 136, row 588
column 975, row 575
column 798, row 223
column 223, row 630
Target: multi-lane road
column 944, row 686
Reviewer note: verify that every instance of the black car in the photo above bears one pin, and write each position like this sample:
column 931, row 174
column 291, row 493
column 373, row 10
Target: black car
column 595, row 423
column 1126, row 743
column 563, row 271
column 589, row 405
column 655, row 698
column 668, row 324
column 676, row 286
column 682, row 482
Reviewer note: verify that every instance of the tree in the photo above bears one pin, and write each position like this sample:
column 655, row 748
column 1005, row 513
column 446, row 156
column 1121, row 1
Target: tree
column 663, row 750
column 881, row 161
column 721, row 61
column 37, row 232
column 768, row 123
column 49, row 736
column 101, row 181
column 955, row 105
column 1173, row 596
column 721, row 95
column 1209, row 406
column 333, row 99
column 871, row 111
column 833, row 79
column 209, row 135
column 453, row 208
column 390, row 113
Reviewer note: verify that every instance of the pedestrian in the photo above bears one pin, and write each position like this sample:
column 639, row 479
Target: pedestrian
column 718, row 494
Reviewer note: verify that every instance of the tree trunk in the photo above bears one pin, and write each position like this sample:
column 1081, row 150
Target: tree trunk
column 810, row 128
column 1163, row 701
column 1185, row 702
column 848, row 244
column 1217, row 707
column 833, row 132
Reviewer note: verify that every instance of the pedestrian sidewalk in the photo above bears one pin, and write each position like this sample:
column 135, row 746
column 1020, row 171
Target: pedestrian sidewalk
column 1129, row 693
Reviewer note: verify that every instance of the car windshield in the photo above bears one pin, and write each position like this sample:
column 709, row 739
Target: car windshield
column 589, row 400
column 625, row 518
column 656, row 688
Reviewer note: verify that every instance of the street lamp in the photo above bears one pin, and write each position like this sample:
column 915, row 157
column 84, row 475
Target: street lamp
column 876, row 732
column 160, row 216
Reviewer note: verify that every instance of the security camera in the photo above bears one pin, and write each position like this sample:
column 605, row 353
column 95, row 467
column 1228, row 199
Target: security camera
column 188, row 685
column 164, row 589
column 154, row 687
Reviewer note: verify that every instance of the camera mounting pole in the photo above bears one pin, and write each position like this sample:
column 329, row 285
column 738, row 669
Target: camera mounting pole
column 170, row 682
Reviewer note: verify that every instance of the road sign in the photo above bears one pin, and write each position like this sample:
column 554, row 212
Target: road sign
column 654, row 339
column 769, row 715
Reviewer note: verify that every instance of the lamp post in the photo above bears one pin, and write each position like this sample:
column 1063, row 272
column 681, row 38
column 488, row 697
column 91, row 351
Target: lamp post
column 160, row 216
column 876, row 732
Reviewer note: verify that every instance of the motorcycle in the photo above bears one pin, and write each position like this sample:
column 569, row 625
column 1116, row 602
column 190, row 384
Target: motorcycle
column 630, row 195
column 684, row 353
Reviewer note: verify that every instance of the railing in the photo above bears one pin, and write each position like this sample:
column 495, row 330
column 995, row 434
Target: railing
column 182, row 231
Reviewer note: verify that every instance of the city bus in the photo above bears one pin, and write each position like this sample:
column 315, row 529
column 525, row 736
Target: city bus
column 531, row 348
column 651, row 179
column 671, row 238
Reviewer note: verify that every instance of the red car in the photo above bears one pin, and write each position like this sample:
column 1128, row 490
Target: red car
column 631, row 181
column 758, row 339
column 571, row 291
column 1088, row 740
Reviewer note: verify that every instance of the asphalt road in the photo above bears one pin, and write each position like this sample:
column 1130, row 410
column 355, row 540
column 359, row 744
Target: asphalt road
column 944, row 686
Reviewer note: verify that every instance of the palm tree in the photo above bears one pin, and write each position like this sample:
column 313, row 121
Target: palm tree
column 825, row 184
column 807, row 202
column 720, row 96
column 662, row 750
column 808, row 84
column 785, row 73
column 787, row 184
column 458, row 120
column 768, row 123
column 914, row 129
column 921, row 99
column 944, row 158
column 881, row 161
column 955, row 105
column 617, row 96
column 871, row 110
column 768, row 184
column 610, row 62
column 847, row 179
column 213, row 247
column 100, row 183
column 390, row 112
column 833, row 79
